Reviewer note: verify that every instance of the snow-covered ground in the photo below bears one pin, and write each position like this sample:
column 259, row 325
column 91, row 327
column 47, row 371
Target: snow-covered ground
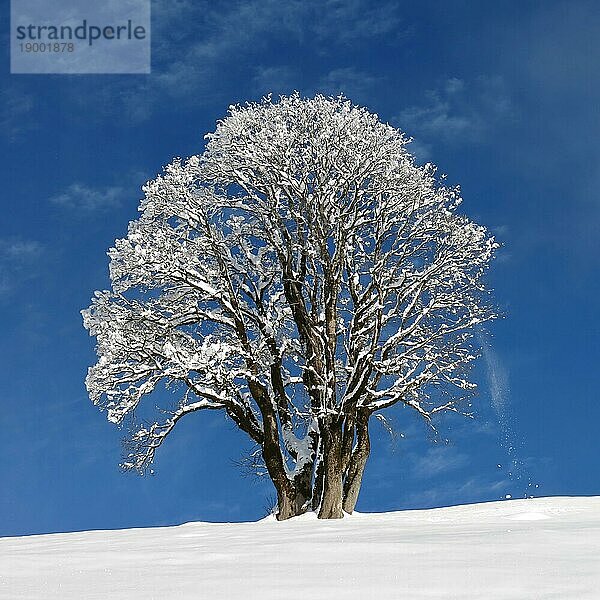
column 520, row 549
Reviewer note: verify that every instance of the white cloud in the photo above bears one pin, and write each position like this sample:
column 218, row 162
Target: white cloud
column 350, row 21
column 15, row 105
column 18, row 258
column 458, row 112
column 437, row 461
column 209, row 61
column 19, row 250
column 351, row 82
column 275, row 79
column 81, row 197
column 474, row 489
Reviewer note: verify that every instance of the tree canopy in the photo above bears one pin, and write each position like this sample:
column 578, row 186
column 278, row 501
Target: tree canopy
column 300, row 275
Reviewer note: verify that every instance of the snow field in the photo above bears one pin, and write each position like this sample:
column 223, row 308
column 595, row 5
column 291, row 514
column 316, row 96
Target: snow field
column 543, row 548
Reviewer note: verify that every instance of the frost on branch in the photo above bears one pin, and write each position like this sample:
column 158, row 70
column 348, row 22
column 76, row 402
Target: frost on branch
column 301, row 274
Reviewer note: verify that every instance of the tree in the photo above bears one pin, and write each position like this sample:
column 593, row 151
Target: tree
column 301, row 275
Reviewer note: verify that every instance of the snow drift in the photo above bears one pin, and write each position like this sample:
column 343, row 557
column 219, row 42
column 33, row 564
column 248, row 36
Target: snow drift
column 520, row 549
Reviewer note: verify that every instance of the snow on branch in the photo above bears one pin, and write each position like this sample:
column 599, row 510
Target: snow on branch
column 302, row 267
column 145, row 441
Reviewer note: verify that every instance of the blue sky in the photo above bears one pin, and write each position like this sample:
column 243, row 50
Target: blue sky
column 503, row 97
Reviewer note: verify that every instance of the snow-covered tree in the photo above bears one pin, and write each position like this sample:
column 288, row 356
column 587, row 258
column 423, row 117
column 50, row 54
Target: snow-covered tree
column 301, row 275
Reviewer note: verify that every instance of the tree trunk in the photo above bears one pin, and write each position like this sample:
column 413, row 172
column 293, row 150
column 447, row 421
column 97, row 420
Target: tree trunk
column 358, row 460
column 294, row 496
column 330, row 482
column 331, row 504
column 318, row 486
column 303, row 489
column 286, row 506
column 272, row 455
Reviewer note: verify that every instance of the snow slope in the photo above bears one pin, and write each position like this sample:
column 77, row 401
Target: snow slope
column 521, row 549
